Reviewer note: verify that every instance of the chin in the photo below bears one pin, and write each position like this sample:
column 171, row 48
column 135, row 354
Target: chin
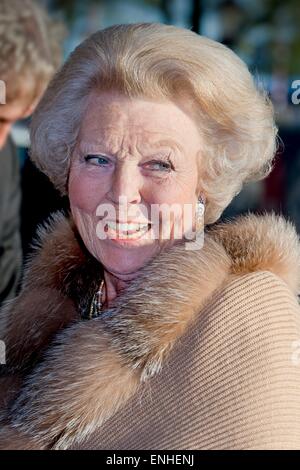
column 123, row 261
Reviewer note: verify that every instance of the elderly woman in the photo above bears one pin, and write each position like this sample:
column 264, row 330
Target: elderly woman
column 134, row 330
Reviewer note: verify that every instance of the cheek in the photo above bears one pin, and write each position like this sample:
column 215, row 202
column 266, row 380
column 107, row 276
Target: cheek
column 85, row 193
column 181, row 189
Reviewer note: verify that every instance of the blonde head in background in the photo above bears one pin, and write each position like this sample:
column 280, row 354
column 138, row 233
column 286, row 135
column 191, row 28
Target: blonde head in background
column 30, row 53
column 30, row 46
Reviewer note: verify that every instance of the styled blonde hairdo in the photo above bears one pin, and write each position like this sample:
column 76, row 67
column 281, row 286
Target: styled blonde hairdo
column 30, row 47
column 162, row 61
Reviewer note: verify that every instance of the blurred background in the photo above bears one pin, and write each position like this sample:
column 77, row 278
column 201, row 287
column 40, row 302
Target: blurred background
column 264, row 33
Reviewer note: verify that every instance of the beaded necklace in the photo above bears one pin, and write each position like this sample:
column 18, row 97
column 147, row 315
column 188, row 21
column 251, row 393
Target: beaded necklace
column 96, row 303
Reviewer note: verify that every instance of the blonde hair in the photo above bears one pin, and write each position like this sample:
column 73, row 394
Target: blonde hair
column 30, row 47
column 163, row 61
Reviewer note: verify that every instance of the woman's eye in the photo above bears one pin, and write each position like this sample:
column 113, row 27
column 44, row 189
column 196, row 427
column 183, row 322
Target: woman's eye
column 160, row 165
column 154, row 165
column 97, row 160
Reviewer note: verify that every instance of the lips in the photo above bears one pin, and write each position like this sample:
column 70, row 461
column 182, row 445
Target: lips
column 142, row 221
column 121, row 230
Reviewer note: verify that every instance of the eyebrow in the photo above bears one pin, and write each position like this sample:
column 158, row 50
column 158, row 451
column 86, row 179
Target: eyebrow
column 170, row 142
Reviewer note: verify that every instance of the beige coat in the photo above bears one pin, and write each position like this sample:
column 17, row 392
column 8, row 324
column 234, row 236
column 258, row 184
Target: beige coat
column 202, row 351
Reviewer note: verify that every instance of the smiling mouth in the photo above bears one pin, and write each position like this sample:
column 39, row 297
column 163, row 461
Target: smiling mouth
column 126, row 231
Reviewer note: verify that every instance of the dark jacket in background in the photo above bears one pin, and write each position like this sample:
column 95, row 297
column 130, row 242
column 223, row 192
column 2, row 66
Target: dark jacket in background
column 10, row 242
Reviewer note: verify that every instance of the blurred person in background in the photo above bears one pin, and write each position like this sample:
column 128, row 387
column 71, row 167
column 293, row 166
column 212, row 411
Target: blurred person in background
column 29, row 56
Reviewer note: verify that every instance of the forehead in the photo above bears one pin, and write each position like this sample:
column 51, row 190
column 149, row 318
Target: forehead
column 110, row 114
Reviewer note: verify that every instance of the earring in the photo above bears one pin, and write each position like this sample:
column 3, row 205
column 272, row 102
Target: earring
column 198, row 227
column 200, row 209
column 200, row 206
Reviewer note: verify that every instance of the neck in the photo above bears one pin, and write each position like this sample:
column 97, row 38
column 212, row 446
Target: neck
column 114, row 284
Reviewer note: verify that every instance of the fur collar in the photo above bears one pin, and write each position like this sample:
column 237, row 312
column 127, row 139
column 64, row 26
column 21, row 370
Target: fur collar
column 79, row 373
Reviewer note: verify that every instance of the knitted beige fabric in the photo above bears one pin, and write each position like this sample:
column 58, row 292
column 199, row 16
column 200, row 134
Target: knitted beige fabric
column 231, row 382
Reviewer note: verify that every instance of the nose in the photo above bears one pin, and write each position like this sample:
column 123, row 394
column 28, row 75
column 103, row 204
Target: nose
column 126, row 183
column 4, row 131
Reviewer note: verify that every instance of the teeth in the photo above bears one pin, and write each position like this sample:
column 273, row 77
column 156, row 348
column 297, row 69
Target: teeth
column 126, row 227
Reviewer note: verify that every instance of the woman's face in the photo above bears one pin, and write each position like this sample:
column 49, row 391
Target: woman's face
column 132, row 156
